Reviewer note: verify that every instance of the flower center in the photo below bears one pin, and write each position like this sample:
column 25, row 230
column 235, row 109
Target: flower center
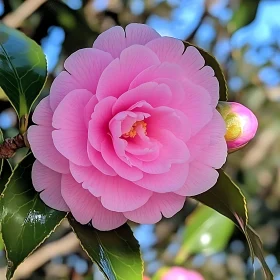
column 133, row 131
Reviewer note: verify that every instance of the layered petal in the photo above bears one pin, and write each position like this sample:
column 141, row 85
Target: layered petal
column 85, row 207
column 86, row 66
column 71, row 137
column 42, row 146
column 48, row 183
column 170, row 181
column 166, row 204
column 121, row 71
column 200, row 179
column 43, row 113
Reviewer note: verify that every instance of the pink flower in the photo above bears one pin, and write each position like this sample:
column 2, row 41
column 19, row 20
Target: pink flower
column 179, row 273
column 241, row 124
column 129, row 130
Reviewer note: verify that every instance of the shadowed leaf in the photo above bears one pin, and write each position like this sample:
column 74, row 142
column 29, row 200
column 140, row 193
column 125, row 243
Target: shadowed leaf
column 26, row 220
column 116, row 252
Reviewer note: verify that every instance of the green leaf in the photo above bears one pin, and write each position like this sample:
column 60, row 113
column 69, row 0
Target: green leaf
column 226, row 198
column 23, row 69
column 26, row 221
column 116, row 252
column 214, row 64
column 203, row 233
column 243, row 15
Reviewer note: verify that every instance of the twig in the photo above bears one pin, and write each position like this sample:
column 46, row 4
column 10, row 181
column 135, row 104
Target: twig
column 10, row 145
column 26, row 9
column 61, row 247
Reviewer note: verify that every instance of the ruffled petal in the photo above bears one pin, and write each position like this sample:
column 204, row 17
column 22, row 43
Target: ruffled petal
column 48, row 182
column 85, row 207
column 106, row 41
column 139, row 34
column 166, row 204
column 152, row 93
column 43, row 113
column 166, row 182
column 167, row 49
column 42, row 146
column 200, row 179
column 71, row 137
column 86, row 66
column 116, row 78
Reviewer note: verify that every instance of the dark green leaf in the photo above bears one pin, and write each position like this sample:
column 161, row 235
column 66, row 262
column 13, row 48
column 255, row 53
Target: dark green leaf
column 226, row 198
column 203, row 233
column 23, row 69
column 243, row 15
column 116, row 252
column 26, row 220
column 213, row 63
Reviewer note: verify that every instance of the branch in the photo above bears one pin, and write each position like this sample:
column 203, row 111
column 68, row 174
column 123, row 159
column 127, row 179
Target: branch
column 10, row 145
column 62, row 247
column 26, row 9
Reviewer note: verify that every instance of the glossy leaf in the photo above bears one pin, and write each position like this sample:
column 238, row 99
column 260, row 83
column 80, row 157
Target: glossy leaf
column 23, row 69
column 212, row 62
column 243, row 15
column 226, row 198
column 116, row 252
column 206, row 231
column 26, row 220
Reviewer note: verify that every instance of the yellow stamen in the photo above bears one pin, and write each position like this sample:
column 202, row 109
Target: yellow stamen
column 234, row 129
column 132, row 132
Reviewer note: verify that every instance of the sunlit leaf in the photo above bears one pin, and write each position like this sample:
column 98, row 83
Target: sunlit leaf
column 116, row 252
column 226, row 198
column 206, row 231
column 211, row 61
column 26, row 220
column 23, row 69
column 244, row 15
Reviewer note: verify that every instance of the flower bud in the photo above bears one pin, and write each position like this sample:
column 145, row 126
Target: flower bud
column 182, row 274
column 241, row 124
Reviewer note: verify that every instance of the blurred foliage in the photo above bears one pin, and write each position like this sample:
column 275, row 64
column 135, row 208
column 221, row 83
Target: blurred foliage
column 248, row 50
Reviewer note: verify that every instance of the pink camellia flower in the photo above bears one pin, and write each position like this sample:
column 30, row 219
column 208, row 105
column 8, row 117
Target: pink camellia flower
column 241, row 124
column 130, row 128
column 179, row 273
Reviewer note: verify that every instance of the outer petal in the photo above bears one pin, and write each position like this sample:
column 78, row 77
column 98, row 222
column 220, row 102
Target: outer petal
column 90, row 178
column 71, row 137
column 43, row 113
column 86, row 207
column 166, row 182
column 164, row 70
column 167, row 49
column 200, row 179
column 166, row 204
column 86, row 66
column 106, row 41
column 61, row 86
column 140, row 34
column 122, row 195
column 116, row 78
column 48, row 182
column 41, row 142
column 69, row 113
column 215, row 153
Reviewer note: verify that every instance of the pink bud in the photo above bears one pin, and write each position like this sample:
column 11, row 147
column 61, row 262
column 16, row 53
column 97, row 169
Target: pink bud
column 179, row 273
column 241, row 124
